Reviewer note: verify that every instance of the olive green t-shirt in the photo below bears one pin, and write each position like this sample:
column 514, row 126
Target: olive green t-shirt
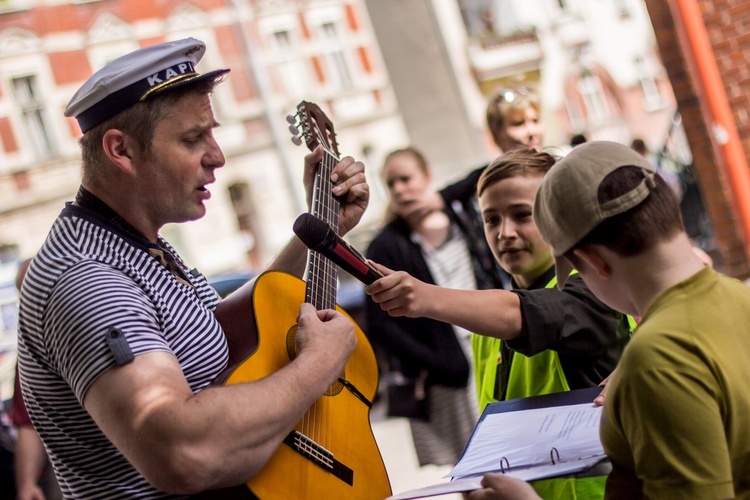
column 676, row 423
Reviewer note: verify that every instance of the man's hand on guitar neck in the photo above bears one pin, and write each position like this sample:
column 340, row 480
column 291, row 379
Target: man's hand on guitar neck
column 349, row 187
column 353, row 194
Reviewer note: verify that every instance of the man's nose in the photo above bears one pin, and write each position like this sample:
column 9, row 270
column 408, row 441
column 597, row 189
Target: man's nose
column 215, row 156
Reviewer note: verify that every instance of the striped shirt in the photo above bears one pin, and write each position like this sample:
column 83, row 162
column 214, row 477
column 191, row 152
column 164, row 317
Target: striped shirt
column 453, row 410
column 89, row 276
column 451, row 267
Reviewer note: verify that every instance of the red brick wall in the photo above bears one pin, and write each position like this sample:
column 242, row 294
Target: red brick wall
column 241, row 81
column 7, row 138
column 69, row 67
column 71, row 17
column 726, row 23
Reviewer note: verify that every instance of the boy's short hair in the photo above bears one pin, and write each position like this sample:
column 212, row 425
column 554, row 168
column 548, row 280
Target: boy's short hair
column 604, row 193
column 515, row 163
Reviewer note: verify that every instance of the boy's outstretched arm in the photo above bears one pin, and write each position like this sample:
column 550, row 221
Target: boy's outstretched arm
column 494, row 313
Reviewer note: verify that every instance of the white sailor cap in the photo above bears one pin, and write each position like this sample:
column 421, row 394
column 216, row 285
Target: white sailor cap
column 135, row 77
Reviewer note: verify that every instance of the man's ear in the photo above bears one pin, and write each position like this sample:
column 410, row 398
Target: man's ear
column 118, row 147
column 594, row 258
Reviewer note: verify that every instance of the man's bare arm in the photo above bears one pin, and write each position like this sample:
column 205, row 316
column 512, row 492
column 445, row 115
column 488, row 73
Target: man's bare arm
column 184, row 443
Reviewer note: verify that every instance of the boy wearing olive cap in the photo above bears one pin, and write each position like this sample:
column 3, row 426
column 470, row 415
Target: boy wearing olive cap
column 675, row 421
column 119, row 341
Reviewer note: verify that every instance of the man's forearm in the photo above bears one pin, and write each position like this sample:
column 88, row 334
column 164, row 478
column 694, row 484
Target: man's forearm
column 292, row 259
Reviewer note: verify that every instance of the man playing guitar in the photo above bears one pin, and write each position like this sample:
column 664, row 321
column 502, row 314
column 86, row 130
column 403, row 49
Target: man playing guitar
column 119, row 342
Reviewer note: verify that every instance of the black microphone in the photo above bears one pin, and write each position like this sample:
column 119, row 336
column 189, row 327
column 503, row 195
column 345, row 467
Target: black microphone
column 319, row 236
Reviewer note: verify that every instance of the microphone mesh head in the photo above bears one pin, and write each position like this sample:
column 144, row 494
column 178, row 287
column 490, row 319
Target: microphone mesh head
column 310, row 229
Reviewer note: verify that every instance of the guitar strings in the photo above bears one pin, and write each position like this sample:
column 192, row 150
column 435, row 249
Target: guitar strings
column 331, row 208
column 322, row 287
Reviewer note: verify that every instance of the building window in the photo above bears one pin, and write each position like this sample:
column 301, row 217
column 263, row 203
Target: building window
column 488, row 18
column 26, row 91
column 649, row 85
column 477, row 17
column 288, row 64
column 334, row 55
column 594, row 100
column 622, row 8
column 565, row 7
column 575, row 110
column 282, row 43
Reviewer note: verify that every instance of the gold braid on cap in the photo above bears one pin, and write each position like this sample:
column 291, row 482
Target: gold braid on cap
column 160, row 86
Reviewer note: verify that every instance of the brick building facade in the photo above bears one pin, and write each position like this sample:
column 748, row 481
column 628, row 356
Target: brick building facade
column 280, row 53
column 726, row 24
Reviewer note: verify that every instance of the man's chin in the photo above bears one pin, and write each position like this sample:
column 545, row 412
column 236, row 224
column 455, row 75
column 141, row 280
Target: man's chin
column 199, row 214
column 195, row 213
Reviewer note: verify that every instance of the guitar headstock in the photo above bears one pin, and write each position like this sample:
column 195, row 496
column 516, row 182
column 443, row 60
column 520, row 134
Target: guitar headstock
column 315, row 128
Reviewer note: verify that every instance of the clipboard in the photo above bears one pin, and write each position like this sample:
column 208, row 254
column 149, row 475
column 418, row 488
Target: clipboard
column 595, row 466
column 558, row 399
column 577, row 396
column 574, row 397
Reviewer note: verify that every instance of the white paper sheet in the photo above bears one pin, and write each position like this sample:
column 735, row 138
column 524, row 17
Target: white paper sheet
column 532, row 438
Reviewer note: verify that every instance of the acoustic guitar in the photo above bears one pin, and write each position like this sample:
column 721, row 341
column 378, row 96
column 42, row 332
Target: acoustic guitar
column 332, row 452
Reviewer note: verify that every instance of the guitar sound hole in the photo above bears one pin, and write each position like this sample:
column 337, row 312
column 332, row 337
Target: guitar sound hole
column 291, row 343
column 291, row 351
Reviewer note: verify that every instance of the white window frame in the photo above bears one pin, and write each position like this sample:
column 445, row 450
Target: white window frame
column 24, row 59
column 286, row 60
column 649, row 84
column 28, row 93
column 594, row 99
column 334, row 51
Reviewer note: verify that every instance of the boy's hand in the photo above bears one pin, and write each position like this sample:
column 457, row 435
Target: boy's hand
column 398, row 293
column 502, row 487
column 599, row 400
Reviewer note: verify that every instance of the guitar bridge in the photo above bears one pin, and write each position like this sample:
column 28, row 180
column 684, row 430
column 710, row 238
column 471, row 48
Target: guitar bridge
column 320, row 456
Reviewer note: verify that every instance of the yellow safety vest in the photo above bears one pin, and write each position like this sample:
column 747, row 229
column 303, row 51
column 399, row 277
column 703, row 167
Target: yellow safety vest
column 529, row 376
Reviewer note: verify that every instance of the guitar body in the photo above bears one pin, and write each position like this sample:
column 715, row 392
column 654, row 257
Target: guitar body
column 339, row 421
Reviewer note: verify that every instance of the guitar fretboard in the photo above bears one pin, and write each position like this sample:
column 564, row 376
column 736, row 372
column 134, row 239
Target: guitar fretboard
column 322, row 274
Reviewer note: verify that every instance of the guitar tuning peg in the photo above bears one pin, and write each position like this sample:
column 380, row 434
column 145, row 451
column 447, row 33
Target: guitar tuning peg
column 296, row 140
column 293, row 129
column 291, row 119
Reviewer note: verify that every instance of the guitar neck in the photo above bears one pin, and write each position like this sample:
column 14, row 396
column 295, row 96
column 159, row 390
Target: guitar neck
column 322, row 274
